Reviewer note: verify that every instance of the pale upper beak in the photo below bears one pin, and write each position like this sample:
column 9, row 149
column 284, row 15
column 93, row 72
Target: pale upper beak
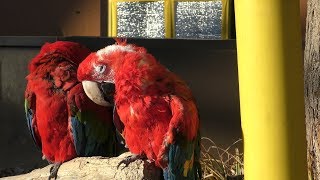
column 100, row 93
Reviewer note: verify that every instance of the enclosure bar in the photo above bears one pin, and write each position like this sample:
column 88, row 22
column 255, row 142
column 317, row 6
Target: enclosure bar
column 109, row 18
column 270, row 71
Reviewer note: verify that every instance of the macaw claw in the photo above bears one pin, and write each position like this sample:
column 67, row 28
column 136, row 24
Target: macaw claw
column 54, row 170
column 129, row 160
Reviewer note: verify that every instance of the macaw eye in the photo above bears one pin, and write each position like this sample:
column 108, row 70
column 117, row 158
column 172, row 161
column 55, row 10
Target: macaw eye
column 100, row 68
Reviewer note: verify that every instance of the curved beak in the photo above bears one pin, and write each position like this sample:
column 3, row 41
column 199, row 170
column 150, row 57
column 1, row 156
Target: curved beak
column 100, row 93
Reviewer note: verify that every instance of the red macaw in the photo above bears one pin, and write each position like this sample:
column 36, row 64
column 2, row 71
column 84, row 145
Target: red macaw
column 156, row 107
column 63, row 121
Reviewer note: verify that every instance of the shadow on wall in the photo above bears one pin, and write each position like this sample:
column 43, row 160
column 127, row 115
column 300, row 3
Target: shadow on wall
column 17, row 149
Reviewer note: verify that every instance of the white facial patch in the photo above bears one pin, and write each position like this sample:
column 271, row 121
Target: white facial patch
column 109, row 49
column 99, row 73
column 99, row 68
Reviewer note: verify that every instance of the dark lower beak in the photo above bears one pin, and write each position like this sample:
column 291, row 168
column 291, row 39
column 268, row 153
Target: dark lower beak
column 108, row 90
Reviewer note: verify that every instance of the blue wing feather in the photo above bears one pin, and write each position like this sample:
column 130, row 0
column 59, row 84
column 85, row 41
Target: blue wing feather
column 78, row 132
column 30, row 117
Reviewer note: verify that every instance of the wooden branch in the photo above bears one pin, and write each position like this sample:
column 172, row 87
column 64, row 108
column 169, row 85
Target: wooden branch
column 312, row 88
column 97, row 168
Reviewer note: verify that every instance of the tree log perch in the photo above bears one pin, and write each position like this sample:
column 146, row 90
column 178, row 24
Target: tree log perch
column 98, row 168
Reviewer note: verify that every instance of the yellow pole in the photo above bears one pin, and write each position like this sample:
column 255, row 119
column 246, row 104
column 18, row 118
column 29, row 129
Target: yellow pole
column 271, row 89
column 110, row 18
column 168, row 18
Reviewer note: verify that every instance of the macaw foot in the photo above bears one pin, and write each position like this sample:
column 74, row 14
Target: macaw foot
column 54, row 170
column 130, row 159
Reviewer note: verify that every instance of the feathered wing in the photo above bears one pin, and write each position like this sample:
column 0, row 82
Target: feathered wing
column 119, row 129
column 181, row 148
column 91, row 125
column 30, row 109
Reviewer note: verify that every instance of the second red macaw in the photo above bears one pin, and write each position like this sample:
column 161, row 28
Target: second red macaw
column 156, row 107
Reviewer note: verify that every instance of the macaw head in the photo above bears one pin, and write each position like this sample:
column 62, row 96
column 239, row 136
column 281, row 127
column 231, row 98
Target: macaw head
column 98, row 71
column 72, row 51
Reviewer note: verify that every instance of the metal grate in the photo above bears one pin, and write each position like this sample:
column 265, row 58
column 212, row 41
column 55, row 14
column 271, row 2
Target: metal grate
column 198, row 20
column 141, row 19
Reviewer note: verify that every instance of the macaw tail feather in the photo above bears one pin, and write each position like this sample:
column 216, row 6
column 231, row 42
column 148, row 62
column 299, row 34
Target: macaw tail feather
column 184, row 161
